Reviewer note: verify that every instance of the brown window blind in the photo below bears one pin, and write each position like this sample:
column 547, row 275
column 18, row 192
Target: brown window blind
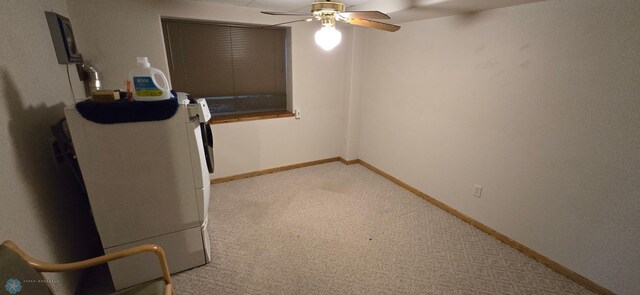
column 239, row 69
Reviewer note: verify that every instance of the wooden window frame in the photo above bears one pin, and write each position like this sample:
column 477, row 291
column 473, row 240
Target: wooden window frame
column 250, row 117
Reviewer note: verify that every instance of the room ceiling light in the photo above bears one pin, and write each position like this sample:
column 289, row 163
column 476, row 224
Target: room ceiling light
column 328, row 12
column 328, row 37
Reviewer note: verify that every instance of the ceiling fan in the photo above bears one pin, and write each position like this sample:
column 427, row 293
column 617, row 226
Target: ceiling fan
column 328, row 12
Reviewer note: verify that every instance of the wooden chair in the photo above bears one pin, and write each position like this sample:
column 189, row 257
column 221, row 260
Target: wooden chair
column 15, row 262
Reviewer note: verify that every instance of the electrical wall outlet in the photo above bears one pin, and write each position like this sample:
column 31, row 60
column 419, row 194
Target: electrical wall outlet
column 477, row 190
column 297, row 114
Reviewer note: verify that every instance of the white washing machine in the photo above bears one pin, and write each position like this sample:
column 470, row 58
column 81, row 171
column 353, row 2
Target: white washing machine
column 149, row 183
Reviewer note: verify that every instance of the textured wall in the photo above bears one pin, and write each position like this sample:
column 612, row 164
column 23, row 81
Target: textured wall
column 537, row 103
column 40, row 207
column 112, row 33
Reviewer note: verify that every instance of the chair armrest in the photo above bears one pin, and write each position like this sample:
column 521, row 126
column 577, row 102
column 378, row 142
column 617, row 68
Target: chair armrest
column 59, row 267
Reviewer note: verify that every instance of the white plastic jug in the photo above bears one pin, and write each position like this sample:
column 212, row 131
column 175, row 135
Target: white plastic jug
column 144, row 82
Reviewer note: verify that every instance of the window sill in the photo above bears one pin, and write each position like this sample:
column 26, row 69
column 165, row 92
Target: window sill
column 250, row 117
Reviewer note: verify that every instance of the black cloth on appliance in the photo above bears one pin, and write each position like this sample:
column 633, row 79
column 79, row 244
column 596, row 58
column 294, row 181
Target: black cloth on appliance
column 123, row 111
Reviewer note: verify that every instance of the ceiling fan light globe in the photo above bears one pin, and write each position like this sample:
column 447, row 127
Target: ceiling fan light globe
column 328, row 38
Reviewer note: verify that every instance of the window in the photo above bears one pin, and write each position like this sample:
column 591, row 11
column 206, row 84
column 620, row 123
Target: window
column 239, row 69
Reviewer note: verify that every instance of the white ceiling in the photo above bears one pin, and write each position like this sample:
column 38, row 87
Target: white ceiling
column 282, row 5
column 399, row 10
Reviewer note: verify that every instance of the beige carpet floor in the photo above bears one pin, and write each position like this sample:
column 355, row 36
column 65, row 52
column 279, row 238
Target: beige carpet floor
column 337, row 229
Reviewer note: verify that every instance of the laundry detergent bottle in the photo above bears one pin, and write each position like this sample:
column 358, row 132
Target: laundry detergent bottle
column 144, row 79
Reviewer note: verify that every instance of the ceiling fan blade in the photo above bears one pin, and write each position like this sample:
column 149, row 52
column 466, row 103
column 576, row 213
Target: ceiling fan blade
column 290, row 22
column 285, row 13
column 373, row 24
column 364, row 14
